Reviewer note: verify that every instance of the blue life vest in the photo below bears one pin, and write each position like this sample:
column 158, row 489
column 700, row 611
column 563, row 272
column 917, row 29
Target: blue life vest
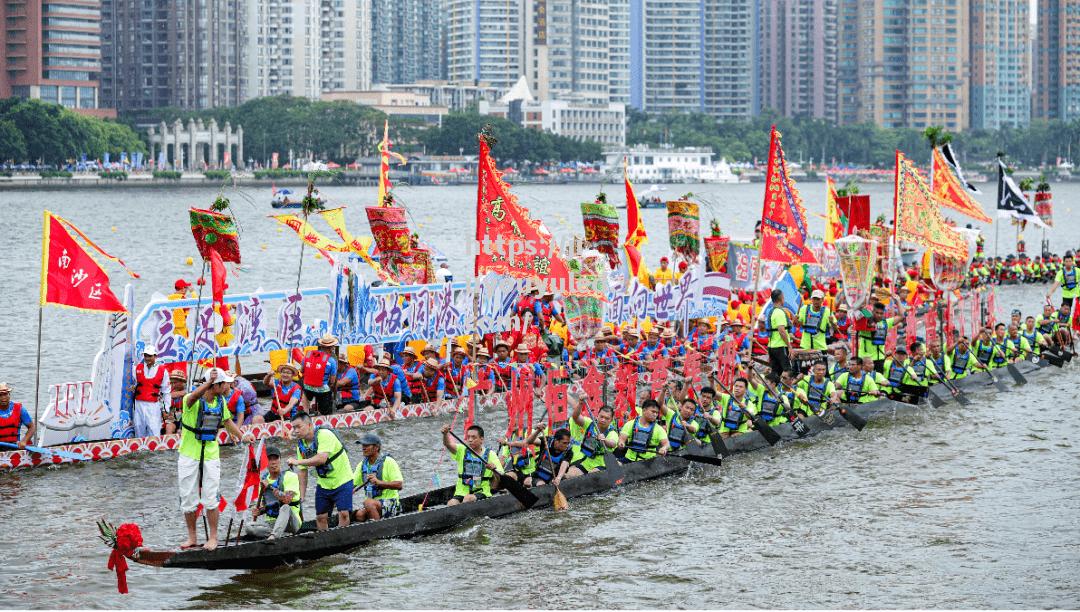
column 472, row 469
column 852, row 392
column 366, row 468
column 813, row 321
column 896, row 374
column 963, row 366
column 208, row 420
column 733, row 414
column 270, row 501
column 676, row 431
column 544, row 467
column 769, row 405
column 1068, row 278
column 640, row 439
column 815, row 394
column 310, row 451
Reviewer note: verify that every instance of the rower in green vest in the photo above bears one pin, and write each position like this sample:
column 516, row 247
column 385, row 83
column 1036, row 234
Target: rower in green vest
column 279, row 502
column 708, row 412
column 895, row 371
column 773, row 404
column 960, row 361
column 320, row 449
column 1068, row 279
column 1016, row 346
column 1035, row 338
column 879, row 379
column 599, row 437
column 839, row 364
column 736, row 409
column 644, row 437
column 378, row 475
column 814, row 320
column 815, row 393
column 477, row 465
column 919, row 374
column 873, row 331
column 854, row 386
column 679, row 422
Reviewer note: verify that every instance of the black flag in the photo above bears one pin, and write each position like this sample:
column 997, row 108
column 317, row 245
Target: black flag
column 1011, row 201
column 950, row 158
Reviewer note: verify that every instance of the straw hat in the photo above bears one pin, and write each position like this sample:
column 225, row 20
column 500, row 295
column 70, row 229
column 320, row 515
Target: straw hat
column 631, row 331
column 429, row 349
column 408, row 350
column 458, row 349
column 431, row 361
column 521, row 349
column 668, row 333
column 177, row 375
column 482, row 352
column 289, row 366
column 499, row 343
column 384, row 362
column 328, row 340
column 5, row 387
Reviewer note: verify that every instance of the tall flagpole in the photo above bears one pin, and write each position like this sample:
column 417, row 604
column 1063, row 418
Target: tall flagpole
column 37, row 373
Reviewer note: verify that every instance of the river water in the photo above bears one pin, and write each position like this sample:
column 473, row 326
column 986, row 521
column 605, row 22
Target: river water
column 955, row 507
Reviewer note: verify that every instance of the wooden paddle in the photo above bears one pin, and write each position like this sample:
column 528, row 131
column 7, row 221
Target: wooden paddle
column 1017, row 377
column 697, row 458
column 558, row 501
column 515, row 488
column 998, row 384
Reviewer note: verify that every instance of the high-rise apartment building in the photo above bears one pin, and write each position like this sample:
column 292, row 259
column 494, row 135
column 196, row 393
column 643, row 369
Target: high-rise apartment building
column 407, row 41
column 797, row 57
column 693, row 56
column 346, row 45
column 912, row 63
column 51, row 50
column 184, row 53
column 1000, row 55
column 484, row 41
column 283, row 48
column 847, row 62
column 1057, row 60
column 571, row 47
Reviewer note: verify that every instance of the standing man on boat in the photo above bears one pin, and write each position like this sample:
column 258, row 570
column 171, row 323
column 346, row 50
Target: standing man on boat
column 180, row 315
column 815, row 319
column 477, row 465
column 151, row 388
column 778, row 322
column 13, row 417
column 322, row 450
column 199, row 466
column 280, row 500
column 379, row 477
column 319, row 376
column 873, row 331
column 1068, row 280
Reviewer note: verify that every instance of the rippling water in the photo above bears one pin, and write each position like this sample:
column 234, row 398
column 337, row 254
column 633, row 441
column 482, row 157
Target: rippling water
column 955, row 507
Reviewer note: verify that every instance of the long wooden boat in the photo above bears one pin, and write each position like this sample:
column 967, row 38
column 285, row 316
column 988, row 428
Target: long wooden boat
column 436, row 517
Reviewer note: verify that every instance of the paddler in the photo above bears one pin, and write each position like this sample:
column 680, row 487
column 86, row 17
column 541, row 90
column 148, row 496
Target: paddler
column 151, row 388
column 199, row 465
column 378, row 475
column 960, row 361
column 919, row 374
column 553, row 461
column 644, row 437
column 455, row 372
column 432, row 383
column 815, row 319
column 482, row 372
column 177, row 391
column 873, row 331
column 385, row 387
column 895, row 370
column 13, row 417
column 1033, row 336
column 839, row 364
column 348, row 387
column 774, row 403
column 280, row 491
column 285, row 393
column 778, row 324
column 502, row 366
column 1067, row 279
column 813, row 394
column 319, row 376
column 477, row 465
column 735, row 409
column 856, row 387
column 321, row 449
column 599, row 437
column 1017, row 346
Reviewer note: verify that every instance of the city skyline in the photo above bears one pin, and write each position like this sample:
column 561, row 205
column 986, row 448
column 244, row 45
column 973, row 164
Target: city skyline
column 961, row 64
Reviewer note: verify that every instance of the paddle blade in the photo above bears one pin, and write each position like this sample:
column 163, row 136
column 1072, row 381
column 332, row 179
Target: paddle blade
column 856, row 421
column 523, row 495
column 699, row 459
column 559, row 502
column 1018, row 378
column 935, row 400
column 614, row 469
column 766, row 431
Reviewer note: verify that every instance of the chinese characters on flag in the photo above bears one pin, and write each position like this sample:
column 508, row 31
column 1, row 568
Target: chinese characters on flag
column 783, row 220
column 70, row 277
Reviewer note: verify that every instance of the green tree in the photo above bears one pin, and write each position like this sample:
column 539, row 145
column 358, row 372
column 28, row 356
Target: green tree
column 12, row 143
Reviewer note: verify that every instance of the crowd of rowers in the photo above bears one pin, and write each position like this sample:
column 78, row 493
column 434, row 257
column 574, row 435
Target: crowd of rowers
column 773, row 382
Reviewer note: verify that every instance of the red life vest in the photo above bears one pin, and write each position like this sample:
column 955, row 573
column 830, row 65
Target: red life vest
column 234, row 399
column 546, row 310
column 504, row 373
column 413, row 383
column 148, row 389
column 525, row 304
column 761, row 342
column 352, row 392
column 9, row 427
column 430, row 387
column 384, row 390
column 483, row 376
column 315, row 368
column 457, row 381
column 281, row 395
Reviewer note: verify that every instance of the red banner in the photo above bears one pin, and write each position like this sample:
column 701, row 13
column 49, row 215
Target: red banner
column 70, row 277
column 783, row 219
column 215, row 232
column 593, row 387
column 555, row 399
column 510, row 241
column 931, row 323
column 626, row 392
column 918, row 217
column 950, row 192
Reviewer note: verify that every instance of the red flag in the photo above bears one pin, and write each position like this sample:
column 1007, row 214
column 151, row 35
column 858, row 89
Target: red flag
column 70, row 277
column 783, row 219
column 555, row 398
column 470, row 414
column 593, row 387
column 626, row 392
column 217, row 285
column 911, row 325
column 253, row 467
column 510, row 241
column 931, row 323
column 635, row 229
column 991, row 307
column 658, row 373
column 215, row 232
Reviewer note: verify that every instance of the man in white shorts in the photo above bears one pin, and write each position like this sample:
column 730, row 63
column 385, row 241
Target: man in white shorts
column 205, row 411
column 151, row 388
